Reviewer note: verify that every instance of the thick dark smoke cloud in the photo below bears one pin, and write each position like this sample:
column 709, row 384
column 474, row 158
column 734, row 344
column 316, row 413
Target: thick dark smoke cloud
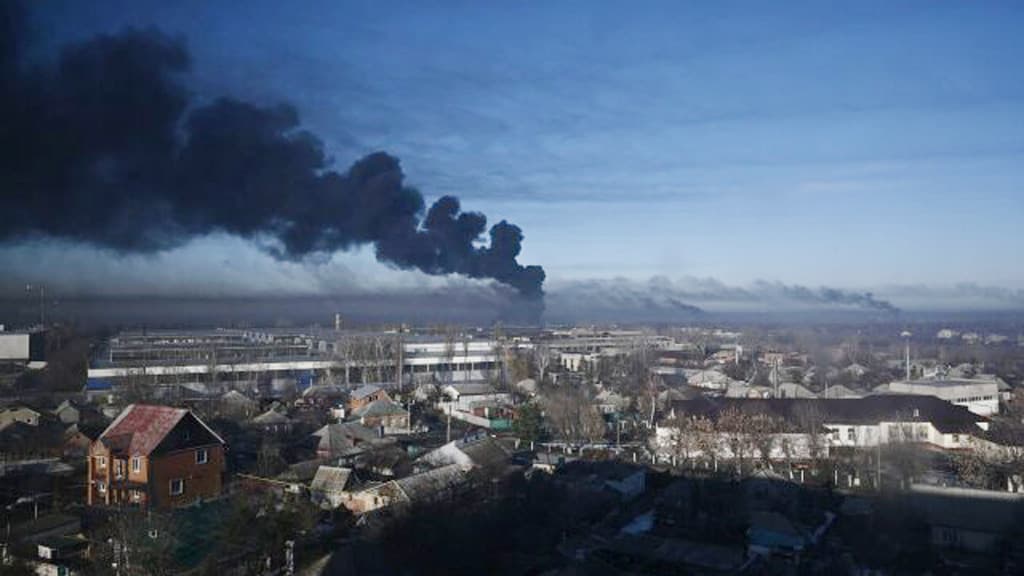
column 107, row 148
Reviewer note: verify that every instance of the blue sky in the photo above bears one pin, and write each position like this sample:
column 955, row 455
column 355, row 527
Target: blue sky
column 851, row 144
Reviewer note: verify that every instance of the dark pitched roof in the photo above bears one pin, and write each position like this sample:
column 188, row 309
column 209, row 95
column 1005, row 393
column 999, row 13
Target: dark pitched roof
column 426, row 485
column 481, row 451
column 271, row 417
column 978, row 510
column 486, row 452
column 303, row 471
column 946, row 417
column 90, row 431
column 337, row 438
column 140, row 428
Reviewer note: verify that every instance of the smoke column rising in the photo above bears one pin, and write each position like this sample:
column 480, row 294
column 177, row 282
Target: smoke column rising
column 106, row 148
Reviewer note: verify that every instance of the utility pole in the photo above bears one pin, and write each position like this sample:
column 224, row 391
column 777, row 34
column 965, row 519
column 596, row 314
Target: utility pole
column 906, row 337
column 399, row 361
column 878, row 461
column 448, row 434
column 775, row 377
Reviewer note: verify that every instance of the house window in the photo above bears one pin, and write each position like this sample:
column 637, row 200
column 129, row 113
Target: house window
column 177, row 486
column 136, row 464
column 202, row 456
column 118, row 468
column 956, row 438
column 101, row 462
column 851, row 434
column 136, row 495
column 101, row 486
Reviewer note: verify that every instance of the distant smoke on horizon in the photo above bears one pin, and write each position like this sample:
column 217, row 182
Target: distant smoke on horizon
column 454, row 299
column 661, row 297
column 107, row 148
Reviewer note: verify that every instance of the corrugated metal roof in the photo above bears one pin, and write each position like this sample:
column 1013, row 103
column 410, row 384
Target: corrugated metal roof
column 426, row 485
column 330, row 479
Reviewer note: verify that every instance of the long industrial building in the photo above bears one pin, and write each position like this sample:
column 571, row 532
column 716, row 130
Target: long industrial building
column 211, row 360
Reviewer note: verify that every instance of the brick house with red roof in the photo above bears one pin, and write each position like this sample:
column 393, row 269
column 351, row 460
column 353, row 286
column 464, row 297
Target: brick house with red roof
column 155, row 456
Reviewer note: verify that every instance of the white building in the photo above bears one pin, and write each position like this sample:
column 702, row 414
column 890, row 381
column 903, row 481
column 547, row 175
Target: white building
column 979, row 395
column 14, row 347
column 849, row 422
column 710, row 379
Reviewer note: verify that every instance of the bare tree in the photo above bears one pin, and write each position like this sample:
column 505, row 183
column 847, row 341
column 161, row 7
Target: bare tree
column 572, row 415
column 691, row 437
column 765, row 427
column 542, row 359
column 343, row 352
column 137, row 541
column 498, row 375
column 903, row 450
column 788, row 452
column 1003, row 452
column 398, row 354
column 973, row 468
column 810, row 421
column 518, row 366
column 269, row 462
column 738, row 427
column 449, row 353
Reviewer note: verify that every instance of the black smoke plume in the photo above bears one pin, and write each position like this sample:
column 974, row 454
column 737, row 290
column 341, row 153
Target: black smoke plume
column 107, row 148
column 826, row 295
